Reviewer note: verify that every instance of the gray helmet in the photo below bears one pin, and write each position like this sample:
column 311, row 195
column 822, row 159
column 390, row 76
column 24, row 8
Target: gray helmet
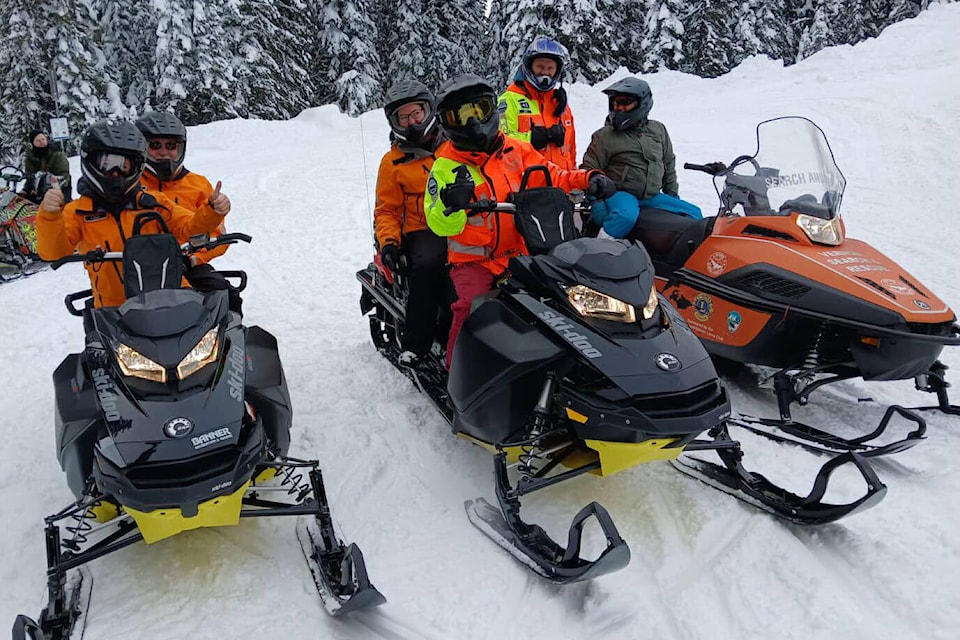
column 159, row 124
column 404, row 92
column 473, row 129
column 104, row 150
column 635, row 88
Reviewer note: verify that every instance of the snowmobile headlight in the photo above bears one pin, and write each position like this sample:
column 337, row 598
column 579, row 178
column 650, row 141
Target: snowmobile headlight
column 652, row 303
column 205, row 352
column 819, row 230
column 593, row 304
column 135, row 364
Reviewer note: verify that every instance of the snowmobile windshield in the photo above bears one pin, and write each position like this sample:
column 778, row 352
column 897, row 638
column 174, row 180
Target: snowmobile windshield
column 793, row 170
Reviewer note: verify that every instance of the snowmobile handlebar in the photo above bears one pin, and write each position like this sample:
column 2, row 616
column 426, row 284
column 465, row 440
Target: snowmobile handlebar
column 195, row 244
column 483, row 205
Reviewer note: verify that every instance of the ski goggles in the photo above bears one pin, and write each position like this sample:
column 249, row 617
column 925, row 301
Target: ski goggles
column 480, row 108
column 169, row 145
column 107, row 162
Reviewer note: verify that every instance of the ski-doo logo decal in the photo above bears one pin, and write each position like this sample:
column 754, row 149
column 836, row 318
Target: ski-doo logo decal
column 106, row 394
column 568, row 332
column 668, row 362
column 923, row 305
column 717, row 263
column 178, row 427
column 207, row 439
column 235, row 373
column 703, row 307
column 733, row 321
column 221, row 485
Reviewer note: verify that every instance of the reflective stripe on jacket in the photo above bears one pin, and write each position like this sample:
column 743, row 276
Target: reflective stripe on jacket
column 401, row 182
column 190, row 191
column 490, row 238
column 84, row 227
column 522, row 108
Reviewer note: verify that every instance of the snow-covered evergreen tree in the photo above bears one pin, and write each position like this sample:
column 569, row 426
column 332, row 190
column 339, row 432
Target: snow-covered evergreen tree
column 354, row 68
column 128, row 39
column 461, row 39
column 663, row 41
column 25, row 98
column 766, row 27
column 709, row 46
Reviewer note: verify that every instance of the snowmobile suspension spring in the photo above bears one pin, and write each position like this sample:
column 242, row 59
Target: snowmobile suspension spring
column 812, row 360
column 79, row 530
column 294, row 482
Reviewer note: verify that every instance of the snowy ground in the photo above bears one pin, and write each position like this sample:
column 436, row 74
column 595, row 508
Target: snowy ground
column 704, row 565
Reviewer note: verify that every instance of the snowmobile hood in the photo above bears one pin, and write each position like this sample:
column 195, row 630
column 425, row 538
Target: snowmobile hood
column 766, row 257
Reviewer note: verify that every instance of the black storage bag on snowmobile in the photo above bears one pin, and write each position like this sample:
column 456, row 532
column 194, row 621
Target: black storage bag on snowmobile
column 151, row 261
column 544, row 215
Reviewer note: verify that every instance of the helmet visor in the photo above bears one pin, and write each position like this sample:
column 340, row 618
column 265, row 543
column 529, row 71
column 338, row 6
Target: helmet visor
column 107, row 162
column 410, row 114
column 481, row 108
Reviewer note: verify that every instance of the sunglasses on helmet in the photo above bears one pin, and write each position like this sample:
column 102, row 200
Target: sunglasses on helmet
column 107, row 162
column 156, row 145
column 622, row 101
column 480, row 108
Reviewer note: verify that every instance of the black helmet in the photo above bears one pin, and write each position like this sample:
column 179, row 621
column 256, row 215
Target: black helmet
column 543, row 48
column 467, row 107
column 405, row 92
column 159, row 124
column 634, row 88
column 111, row 158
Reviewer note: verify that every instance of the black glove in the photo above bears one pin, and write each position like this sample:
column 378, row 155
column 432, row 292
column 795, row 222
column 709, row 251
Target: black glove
column 459, row 193
column 539, row 137
column 601, row 187
column 557, row 133
column 390, row 256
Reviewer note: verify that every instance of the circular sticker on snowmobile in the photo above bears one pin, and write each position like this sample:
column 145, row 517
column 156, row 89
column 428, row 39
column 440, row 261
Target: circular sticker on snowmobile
column 178, row 427
column 921, row 304
column 717, row 263
column 703, row 307
column 733, row 321
column 668, row 362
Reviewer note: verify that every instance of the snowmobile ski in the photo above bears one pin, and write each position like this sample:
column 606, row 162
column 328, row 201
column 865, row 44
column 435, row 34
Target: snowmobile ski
column 814, row 439
column 531, row 545
column 339, row 573
column 65, row 616
column 754, row 489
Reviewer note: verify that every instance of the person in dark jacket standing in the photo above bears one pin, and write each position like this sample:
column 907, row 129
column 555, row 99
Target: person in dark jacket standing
column 42, row 155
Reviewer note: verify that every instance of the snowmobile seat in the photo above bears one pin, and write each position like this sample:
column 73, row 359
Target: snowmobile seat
column 670, row 239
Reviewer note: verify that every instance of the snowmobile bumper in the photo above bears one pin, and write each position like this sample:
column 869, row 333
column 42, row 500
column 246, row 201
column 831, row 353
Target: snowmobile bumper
column 223, row 511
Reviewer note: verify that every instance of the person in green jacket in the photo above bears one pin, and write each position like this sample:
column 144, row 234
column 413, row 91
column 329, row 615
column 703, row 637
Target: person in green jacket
column 636, row 152
column 41, row 155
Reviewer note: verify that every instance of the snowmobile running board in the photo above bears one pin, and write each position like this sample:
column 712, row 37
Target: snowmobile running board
column 531, row 545
column 754, row 489
column 339, row 571
column 814, row 439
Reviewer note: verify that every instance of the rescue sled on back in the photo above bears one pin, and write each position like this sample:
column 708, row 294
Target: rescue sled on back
column 576, row 365
column 774, row 281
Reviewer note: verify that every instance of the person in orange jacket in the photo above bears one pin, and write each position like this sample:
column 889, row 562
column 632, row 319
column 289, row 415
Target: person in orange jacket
column 478, row 161
column 407, row 245
column 164, row 173
column 111, row 160
column 534, row 108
